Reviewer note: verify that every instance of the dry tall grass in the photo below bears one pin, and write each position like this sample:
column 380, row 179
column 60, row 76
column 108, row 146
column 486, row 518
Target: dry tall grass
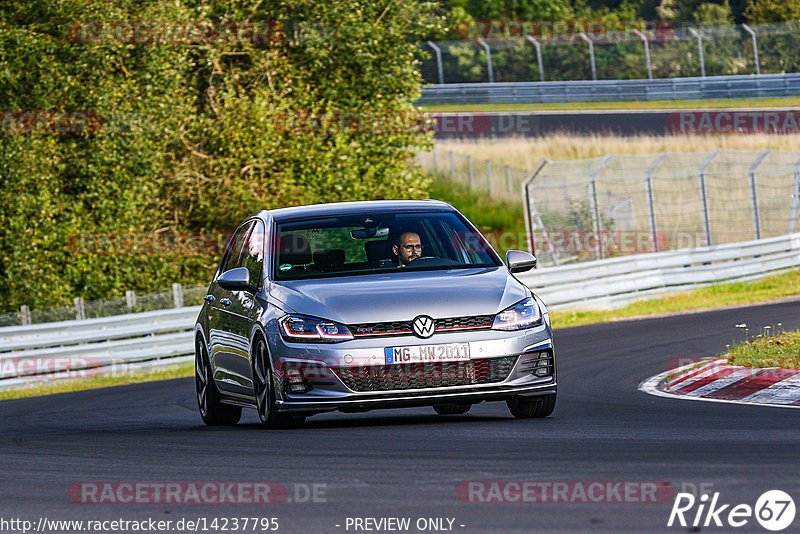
column 526, row 153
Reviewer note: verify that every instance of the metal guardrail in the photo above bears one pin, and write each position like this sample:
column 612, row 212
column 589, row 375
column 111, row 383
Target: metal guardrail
column 696, row 88
column 615, row 282
column 53, row 350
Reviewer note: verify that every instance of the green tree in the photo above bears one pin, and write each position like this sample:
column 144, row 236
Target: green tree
column 761, row 11
column 198, row 134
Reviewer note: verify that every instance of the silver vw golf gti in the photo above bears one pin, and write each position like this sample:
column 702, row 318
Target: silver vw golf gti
column 356, row 306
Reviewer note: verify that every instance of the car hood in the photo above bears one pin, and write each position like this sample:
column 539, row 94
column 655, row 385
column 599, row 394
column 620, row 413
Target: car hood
column 401, row 296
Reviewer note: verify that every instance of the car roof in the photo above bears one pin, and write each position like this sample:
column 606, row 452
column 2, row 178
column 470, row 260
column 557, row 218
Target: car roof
column 353, row 208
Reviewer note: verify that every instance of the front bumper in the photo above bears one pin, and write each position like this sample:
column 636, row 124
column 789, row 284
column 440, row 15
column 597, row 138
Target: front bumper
column 324, row 369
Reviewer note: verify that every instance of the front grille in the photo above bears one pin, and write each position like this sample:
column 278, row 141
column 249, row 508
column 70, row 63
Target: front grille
column 426, row 375
column 401, row 328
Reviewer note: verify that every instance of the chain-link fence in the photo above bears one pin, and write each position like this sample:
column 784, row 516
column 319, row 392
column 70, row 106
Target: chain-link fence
column 682, row 52
column 626, row 204
column 176, row 297
column 497, row 180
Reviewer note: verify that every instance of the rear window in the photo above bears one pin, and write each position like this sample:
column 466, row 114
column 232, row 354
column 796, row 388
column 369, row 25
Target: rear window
column 378, row 242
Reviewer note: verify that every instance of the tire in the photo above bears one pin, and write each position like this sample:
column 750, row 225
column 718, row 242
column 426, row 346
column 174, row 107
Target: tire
column 541, row 406
column 264, row 391
column 452, row 408
column 212, row 411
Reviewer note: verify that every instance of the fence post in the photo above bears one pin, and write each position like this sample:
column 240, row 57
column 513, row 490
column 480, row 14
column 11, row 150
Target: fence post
column 489, row 176
column 177, row 295
column 130, row 299
column 597, row 221
column 749, row 30
column 795, row 198
column 643, row 37
column 24, row 315
column 433, row 151
column 538, row 56
column 532, row 218
column 80, row 309
column 700, row 50
column 591, row 54
column 452, row 166
column 508, row 180
column 488, row 59
column 471, row 174
column 704, row 195
column 650, row 204
column 438, row 53
column 754, row 193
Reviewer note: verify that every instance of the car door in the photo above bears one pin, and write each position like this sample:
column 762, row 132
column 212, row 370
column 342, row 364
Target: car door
column 247, row 308
column 225, row 338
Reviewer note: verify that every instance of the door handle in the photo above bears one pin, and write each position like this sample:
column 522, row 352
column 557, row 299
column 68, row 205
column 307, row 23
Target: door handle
column 209, row 299
column 225, row 302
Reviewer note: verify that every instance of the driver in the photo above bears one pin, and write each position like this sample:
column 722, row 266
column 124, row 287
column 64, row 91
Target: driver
column 407, row 248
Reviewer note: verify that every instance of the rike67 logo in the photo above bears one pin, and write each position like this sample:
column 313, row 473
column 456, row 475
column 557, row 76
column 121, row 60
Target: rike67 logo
column 774, row 510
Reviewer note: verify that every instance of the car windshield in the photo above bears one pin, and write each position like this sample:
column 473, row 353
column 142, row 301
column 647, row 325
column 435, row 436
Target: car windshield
column 376, row 243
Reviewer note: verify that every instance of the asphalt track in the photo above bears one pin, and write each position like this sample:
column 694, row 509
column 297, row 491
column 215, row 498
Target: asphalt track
column 408, row 463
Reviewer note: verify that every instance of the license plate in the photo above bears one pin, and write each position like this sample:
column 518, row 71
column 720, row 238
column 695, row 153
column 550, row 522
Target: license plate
column 449, row 352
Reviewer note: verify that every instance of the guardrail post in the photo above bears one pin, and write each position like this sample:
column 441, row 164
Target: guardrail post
column 508, row 180
column 80, row 309
column 749, row 30
column 704, row 195
column 538, row 56
column 177, row 295
column 795, row 198
column 24, row 315
column 650, row 204
column 700, row 50
column 489, row 175
column 643, row 37
column 754, row 193
column 471, row 173
column 438, row 53
column 591, row 54
column 130, row 299
column 488, row 59
column 452, row 165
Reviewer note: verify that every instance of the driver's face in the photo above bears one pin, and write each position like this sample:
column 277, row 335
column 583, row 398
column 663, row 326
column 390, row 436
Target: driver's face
column 409, row 249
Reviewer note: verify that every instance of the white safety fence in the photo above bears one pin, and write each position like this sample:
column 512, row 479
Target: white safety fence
column 616, row 282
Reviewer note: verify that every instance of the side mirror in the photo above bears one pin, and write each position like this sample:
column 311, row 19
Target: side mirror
column 519, row 261
column 235, row 280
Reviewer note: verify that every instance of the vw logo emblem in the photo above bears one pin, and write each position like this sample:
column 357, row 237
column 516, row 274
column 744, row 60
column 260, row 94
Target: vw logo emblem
column 423, row 326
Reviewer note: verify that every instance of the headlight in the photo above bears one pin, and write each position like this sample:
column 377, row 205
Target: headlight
column 521, row 315
column 302, row 328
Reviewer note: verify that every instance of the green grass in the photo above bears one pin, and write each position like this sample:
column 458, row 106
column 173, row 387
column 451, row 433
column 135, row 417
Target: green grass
column 770, row 348
column 654, row 104
column 492, row 217
column 179, row 371
column 718, row 295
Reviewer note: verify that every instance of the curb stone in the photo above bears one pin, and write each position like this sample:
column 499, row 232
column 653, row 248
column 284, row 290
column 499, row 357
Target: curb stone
column 715, row 380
